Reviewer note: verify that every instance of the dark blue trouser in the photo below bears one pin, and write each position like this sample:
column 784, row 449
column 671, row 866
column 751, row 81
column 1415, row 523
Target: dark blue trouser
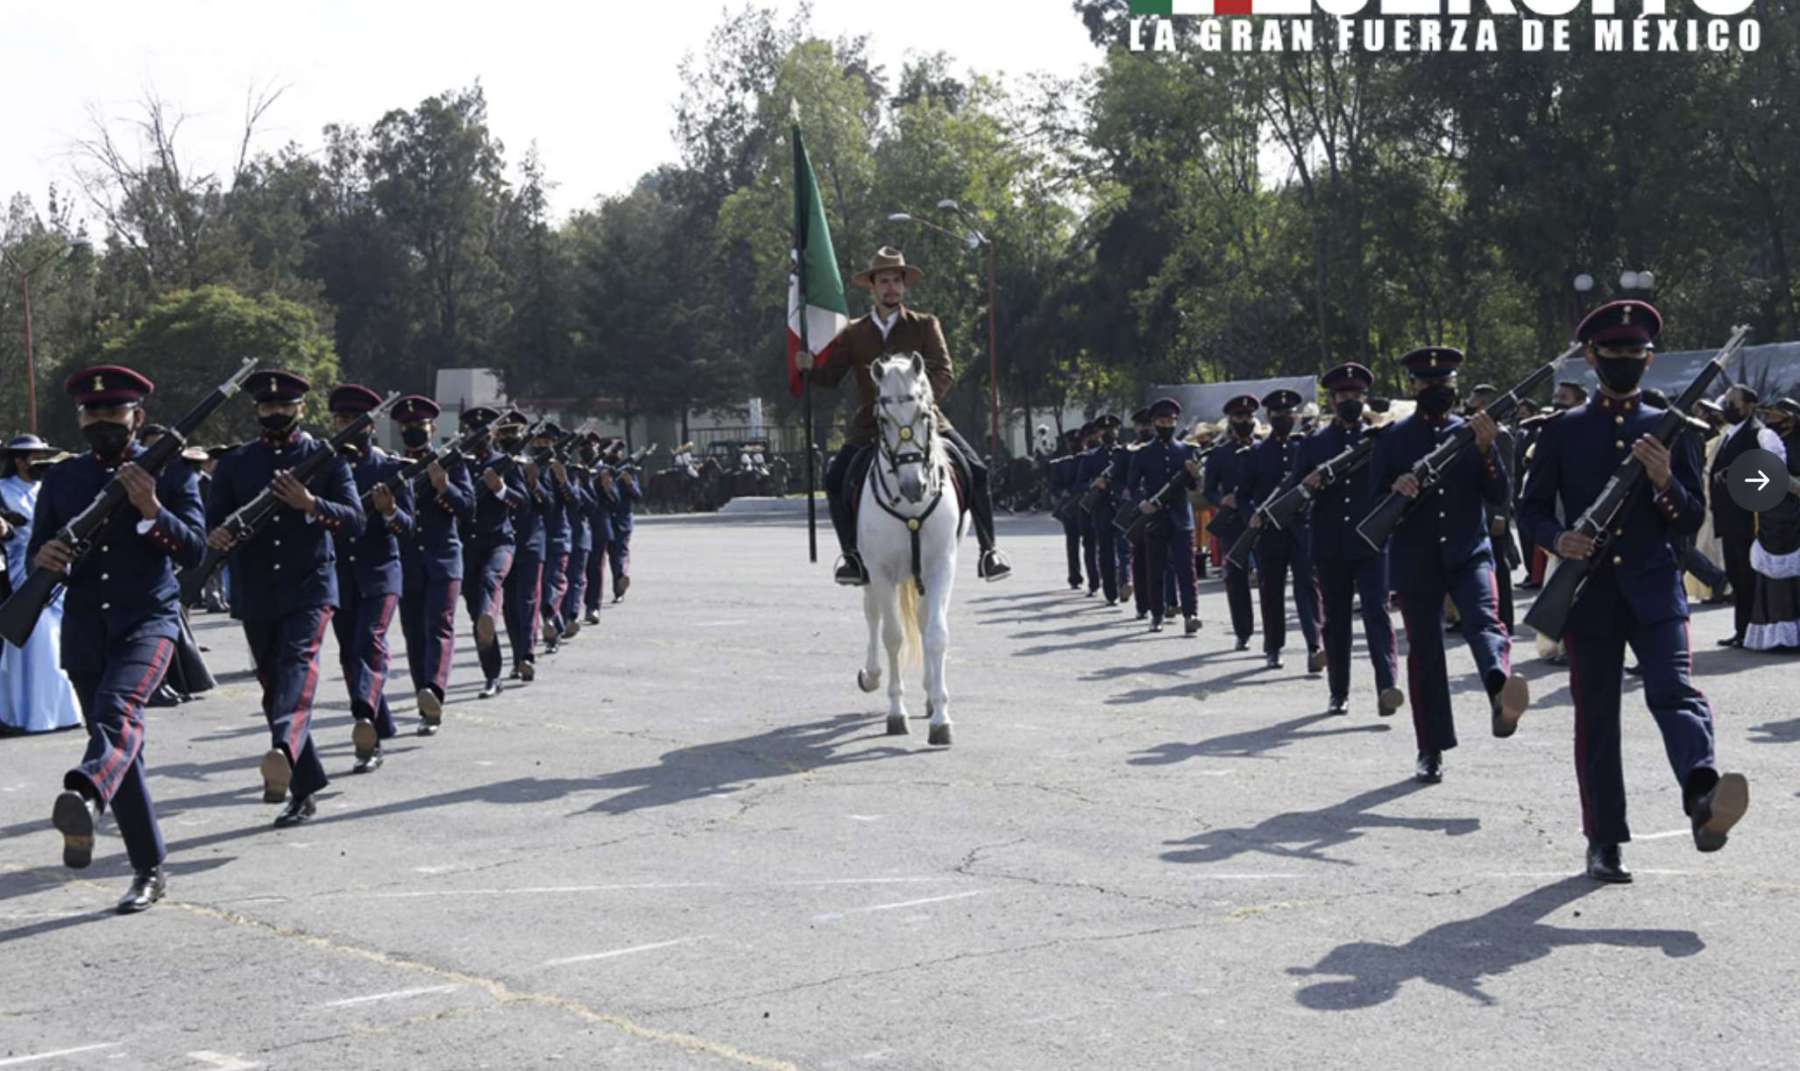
column 485, row 570
column 1277, row 554
column 428, row 618
column 1682, row 715
column 286, row 653
column 596, row 576
column 1340, row 581
column 1695, row 561
column 112, row 770
column 361, row 625
column 1072, row 546
column 1102, row 557
column 1171, row 553
column 618, row 556
column 556, row 588
column 1237, row 596
column 1140, row 572
column 524, row 587
column 1474, row 591
column 576, row 596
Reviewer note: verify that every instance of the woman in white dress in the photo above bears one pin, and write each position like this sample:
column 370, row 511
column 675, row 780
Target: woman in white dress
column 35, row 694
column 1775, row 611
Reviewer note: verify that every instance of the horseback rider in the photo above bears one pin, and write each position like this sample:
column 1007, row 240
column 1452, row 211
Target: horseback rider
column 890, row 328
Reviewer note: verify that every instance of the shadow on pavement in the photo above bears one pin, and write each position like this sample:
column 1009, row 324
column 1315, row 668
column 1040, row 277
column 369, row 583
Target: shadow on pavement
column 1253, row 743
column 1307, row 834
column 1459, row 955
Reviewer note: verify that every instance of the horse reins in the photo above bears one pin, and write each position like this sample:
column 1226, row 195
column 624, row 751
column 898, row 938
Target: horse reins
column 893, row 459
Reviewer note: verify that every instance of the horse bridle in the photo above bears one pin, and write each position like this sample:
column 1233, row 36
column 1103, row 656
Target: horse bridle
column 911, row 448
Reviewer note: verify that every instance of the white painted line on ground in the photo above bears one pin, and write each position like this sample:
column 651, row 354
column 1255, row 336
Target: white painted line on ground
column 218, row 1061
column 590, row 957
column 14, row 1061
column 432, row 869
column 1242, row 877
column 538, row 890
column 867, row 817
column 895, row 907
column 863, row 881
column 397, row 994
column 1664, row 836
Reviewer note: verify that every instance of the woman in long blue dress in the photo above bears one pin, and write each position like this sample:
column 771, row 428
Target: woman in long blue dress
column 35, row 694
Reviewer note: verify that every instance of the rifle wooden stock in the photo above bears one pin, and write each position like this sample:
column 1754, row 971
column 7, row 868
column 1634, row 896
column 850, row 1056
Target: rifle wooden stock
column 20, row 612
column 1549, row 613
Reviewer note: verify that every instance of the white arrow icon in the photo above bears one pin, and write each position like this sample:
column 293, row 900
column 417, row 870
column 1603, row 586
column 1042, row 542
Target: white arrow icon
column 1761, row 481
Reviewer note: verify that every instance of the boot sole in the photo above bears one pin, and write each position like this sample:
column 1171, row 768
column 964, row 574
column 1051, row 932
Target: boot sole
column 75, row 822
column 1609, row 879
column 1731, row 798
column 364, row 740
column 1315, row 662
column 1515, row 696
column 484, row 630
column 431, row 708
column 527, row 672
column 277, row 774
column 1391, row 699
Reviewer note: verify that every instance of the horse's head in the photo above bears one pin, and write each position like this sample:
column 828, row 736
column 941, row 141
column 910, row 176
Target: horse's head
column 906, row 425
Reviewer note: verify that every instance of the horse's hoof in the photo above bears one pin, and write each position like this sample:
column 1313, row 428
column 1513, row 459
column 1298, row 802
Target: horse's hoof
column 897, row 725
column 867, row 682
column 940, row 735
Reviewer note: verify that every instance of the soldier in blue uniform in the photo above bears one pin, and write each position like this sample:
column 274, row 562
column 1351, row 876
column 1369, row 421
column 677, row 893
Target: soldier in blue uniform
column 1169, row 542
column 489, row 542
column 1347, row 566
column 620, row 487
column 1442, row 549
column 600, row 521
column 1269, row 468
column 1097, row 530
column 1063, row 485
column 1132, row 558
column 581, row 539
column 1227, row 467
column 558, row 504
column 121, row 615
column 525, row 582
column 369, row 579
column 284, row 580
column 1634, row 594
column 431, row 559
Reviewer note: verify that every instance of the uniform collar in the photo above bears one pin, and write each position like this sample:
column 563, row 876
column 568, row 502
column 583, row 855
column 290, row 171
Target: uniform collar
column 292, row 437
column 885, row 326
column 1621, row 405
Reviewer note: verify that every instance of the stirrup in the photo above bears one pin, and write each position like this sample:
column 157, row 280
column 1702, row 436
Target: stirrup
column 993, row 565
column 851, row 572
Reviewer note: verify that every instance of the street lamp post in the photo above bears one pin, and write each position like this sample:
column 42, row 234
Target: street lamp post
column 30, row 355
column 975, row 240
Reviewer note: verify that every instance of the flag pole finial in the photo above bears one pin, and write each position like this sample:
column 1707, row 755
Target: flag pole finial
column 794, row 109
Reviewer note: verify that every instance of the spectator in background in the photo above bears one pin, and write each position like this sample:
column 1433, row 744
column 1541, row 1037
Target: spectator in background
column 1775, row 604
column 35, row 693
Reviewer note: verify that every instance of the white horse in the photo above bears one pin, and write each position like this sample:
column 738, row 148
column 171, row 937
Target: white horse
column 907, row 527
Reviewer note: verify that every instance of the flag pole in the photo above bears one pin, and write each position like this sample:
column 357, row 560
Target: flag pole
column 812, row 503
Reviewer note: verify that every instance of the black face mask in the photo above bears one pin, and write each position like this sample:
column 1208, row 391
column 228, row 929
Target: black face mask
column 1243, row 429
column 1350, row 410
column 1144, row 435
column 1735, row 414
column 511, row 443
column 1108, row 438
column 1165, row 434
column 1438, row 400
column 415, row 437
column 277, row 425
column 107, row 439
column 1281, row 425
column 1620, row 374
column 361, row 441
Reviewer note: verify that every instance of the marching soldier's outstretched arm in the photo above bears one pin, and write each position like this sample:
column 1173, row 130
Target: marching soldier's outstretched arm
column 1496, row 485
column 339, row 507
column 1537, row 506
column 1682, row 504
column 46, row 518
column 179, row 530
column 458, row 495
column 405, row 512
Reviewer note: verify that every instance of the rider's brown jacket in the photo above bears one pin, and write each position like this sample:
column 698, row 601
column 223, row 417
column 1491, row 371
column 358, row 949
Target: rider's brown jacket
column 862, row 345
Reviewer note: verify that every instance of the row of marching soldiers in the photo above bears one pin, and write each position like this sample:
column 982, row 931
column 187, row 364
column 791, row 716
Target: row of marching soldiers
column 519, row 520
column 1446, row 559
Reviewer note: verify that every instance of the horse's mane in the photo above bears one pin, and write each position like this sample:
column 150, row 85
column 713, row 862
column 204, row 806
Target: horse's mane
column 902, row 363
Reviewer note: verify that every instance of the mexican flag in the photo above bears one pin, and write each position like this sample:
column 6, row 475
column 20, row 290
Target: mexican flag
column 817, row 312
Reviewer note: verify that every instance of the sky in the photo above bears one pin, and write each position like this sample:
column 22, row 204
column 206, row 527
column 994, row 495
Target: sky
column 593, row 82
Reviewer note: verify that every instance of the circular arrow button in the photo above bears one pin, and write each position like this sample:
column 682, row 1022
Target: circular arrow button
column 1757, row 480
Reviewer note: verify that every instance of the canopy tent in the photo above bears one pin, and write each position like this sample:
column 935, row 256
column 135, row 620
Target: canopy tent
column 1206, row 401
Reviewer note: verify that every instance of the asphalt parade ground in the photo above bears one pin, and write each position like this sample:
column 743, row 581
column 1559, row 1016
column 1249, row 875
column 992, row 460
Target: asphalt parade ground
column 690, row 844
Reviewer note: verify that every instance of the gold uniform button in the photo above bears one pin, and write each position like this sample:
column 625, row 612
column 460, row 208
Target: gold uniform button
column 1619, row 443
column 1618, row 420
column 1617, row 560
column 913, row 523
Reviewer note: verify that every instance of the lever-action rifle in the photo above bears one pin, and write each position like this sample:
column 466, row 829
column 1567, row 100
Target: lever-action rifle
column 19, row 614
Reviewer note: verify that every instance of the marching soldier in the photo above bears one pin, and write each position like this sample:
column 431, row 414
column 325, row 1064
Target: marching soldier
column 1269, row 468
column 1133, row 559
column 488, row 544
column 1169, row 542
column 284, row 580
column 600, row 522
column 1500, row 522
column 369, row 580
column 558, row 505
column 622, row 494
column 890, row 328
column 525, row 581
column 1097, row 526
column 431, row 560
column 1442, row 549
column 122, row 614
column 581, row 540
column 1348, row 567
column 1063, row 484
column 1633, row 594
column 1226, row 470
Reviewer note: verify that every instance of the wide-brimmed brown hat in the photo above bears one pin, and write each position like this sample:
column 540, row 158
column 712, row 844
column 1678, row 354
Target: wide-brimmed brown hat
column 886, row 258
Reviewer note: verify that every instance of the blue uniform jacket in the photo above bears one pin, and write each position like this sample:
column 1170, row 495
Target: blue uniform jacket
column 1152, row 467
column 624, row 500
column 556, row 502
column 126, row 583
column 1339, row 508
column 372, row 558
column 1264, row 473
column 1577, row 454
column 492, row 517
column 433, row 550
column 1090, row 466
column 1447, row 530
column 599, row 512
column 1226, row 467
column 291, row 564
column 528, row 513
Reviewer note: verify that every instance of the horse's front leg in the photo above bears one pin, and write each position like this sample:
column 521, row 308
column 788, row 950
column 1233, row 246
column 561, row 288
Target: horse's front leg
column 893, row 637
column 934, row 629
column 868, row 678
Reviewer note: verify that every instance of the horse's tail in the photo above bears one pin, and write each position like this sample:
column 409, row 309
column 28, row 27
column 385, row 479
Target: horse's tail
column 912, row 644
